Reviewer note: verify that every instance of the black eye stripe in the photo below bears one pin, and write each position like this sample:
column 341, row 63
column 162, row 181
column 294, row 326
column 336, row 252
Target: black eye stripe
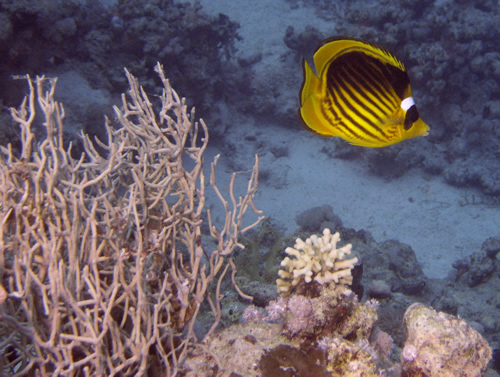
column 411, row 117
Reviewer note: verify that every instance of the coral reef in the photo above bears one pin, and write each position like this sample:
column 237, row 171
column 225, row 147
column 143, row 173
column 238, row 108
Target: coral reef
column 451, row 51
column 316, row 259
column 97, row 41
column 439, row 344
column 327, row 334
column 260, row 348
column 392, row 274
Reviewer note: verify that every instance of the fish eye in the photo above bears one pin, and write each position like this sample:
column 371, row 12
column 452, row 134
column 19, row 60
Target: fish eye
column 411, row 117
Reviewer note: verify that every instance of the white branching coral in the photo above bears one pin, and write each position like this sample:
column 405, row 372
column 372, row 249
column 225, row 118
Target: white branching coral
column 316, row 259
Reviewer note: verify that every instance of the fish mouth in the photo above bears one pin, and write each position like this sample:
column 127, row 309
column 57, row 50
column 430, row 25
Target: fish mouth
column 426, row 130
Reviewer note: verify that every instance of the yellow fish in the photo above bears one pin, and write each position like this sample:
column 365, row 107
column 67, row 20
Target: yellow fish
column 361, row 93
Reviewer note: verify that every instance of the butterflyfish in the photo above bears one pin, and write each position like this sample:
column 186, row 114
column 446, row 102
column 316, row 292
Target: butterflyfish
column 361, row 93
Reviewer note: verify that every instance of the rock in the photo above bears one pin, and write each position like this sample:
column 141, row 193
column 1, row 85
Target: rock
column 379, row 289
column 439, row 344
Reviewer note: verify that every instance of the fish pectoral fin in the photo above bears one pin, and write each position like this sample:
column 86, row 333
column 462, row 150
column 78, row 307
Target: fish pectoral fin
column 394, row 119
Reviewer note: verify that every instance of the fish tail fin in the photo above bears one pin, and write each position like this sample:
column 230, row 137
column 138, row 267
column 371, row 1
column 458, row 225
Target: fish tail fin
column 311, row 84
column 310, row 106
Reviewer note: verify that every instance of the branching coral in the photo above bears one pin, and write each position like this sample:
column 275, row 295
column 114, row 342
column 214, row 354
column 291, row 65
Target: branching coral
column 316, row 259
column 102, row 257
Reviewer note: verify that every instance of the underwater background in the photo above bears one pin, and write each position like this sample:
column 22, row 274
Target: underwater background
column 423, row 215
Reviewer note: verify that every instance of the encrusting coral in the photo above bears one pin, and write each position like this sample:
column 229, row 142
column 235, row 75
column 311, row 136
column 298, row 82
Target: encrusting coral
column 316, row 259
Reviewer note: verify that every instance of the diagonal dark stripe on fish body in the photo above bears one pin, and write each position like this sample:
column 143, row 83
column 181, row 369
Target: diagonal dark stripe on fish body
column 347, row 100
column 346, row 109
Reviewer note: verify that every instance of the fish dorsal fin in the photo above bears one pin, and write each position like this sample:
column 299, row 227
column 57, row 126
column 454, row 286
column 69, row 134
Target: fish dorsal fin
column 331, row 48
